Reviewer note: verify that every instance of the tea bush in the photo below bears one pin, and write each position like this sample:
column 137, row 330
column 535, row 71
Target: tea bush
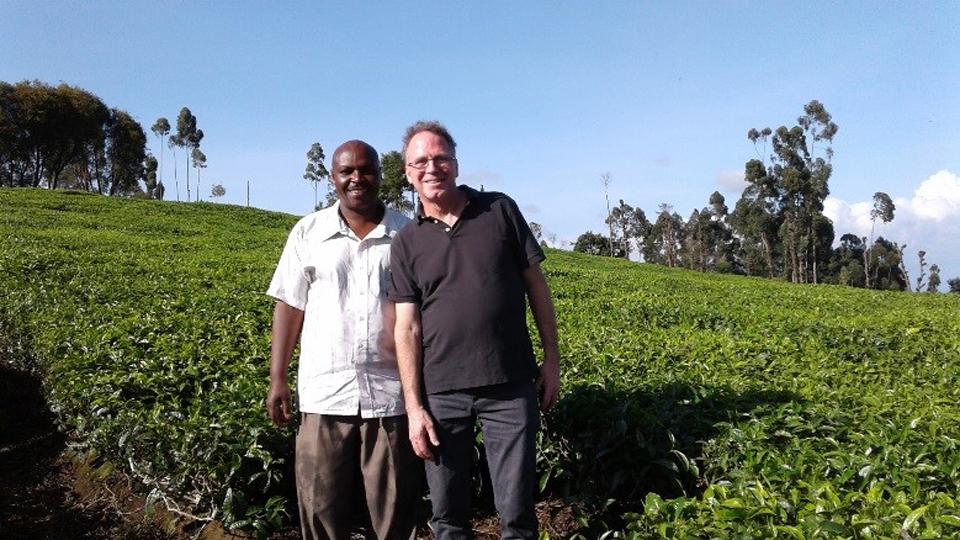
column 692, row 405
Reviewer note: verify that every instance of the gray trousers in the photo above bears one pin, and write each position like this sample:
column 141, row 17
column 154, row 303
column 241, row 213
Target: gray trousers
column 339, row 457
column 509, row 420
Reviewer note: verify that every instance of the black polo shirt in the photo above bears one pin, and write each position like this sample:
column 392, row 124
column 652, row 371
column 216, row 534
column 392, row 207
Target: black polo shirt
column 468, row 282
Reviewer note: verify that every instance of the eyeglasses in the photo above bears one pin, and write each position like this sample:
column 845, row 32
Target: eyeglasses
column 441, row 162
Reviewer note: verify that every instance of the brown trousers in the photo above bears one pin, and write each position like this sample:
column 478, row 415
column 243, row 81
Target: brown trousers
column 337, row 456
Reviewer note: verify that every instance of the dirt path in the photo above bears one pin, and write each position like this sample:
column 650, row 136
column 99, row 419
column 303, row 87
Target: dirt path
column 37, row 499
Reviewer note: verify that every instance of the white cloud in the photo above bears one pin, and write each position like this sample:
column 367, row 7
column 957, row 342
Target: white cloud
column 938, row 197
column 929, row 221
column 731, row 181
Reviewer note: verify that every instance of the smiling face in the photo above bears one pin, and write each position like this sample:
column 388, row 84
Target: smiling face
column 356, row 176
column 431, row 166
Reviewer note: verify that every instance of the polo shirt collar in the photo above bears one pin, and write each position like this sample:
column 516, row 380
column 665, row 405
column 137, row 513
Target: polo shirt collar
column 469, row 191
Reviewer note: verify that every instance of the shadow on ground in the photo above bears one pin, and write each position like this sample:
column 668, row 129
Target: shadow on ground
column 33, row 502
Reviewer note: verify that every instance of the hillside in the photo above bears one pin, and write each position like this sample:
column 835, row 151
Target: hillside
column 692, row 404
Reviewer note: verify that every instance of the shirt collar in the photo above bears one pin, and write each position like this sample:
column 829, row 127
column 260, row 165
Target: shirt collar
column 469, row 191
column 333, row 224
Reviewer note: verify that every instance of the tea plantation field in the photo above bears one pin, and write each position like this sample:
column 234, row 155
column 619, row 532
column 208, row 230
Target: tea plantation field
column 692, row 405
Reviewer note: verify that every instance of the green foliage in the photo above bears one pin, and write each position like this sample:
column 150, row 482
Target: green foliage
column 739, row 407
column 692, row 406
column 394, row 187
column 316, row 172
column 790, row 193
column 954, row 284
column 149, row 324
column 597, row 244
column 66, row 137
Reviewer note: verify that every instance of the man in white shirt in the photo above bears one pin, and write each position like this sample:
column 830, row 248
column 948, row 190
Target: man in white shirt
column 331, row 283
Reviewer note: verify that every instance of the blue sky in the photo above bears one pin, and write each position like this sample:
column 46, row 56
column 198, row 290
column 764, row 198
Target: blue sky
column 542, row 97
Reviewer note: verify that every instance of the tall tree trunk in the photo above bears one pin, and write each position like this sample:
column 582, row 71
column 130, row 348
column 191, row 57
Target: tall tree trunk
column 161, row 159
column 38, row 168
column 815, row 263
column 866, row 268
column 792, row 240
column 768, row 254
column 176, row 182
column 903, row 269
column 187, row 160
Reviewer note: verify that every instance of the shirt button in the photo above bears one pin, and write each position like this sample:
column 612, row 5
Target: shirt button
column 447, row 229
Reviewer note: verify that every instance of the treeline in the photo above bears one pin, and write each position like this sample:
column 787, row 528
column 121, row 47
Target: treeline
column 777, row 228
column 66, row 137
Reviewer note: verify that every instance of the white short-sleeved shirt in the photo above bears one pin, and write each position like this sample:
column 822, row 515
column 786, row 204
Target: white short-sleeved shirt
column 348, row 362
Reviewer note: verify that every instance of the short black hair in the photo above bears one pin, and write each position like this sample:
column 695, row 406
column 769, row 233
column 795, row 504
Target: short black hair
column 369, row 150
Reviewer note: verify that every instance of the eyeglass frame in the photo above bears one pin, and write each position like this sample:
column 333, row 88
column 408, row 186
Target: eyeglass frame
column 441, row 162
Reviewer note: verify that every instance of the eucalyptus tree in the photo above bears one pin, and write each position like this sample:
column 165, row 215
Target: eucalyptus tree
column 174, row 142
column 199, row 160
column 394, row 185
column 954, row 284
column 922, row 256
column 194, row 141
column 596, row 244
column 903, row 266
column 718, row 206
column 693, row 247
column 883, row 209
column 719, row 239
column 756, row 218
column 846, row 266
column 805, row 177
column 621, row 220
column 188, row 137
column 161, row 128
column 150, row 175
column 315, row 172
column 797, row 179
column 217, row 191
column 662, row 243
column 933, row 282
column 605, row 180
column 886, row 266
column 637, row 225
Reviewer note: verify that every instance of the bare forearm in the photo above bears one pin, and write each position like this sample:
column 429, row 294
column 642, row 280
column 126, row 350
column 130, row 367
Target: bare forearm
column 409, row 357
column 543, row 312
column 287, row 323
column 411, row 372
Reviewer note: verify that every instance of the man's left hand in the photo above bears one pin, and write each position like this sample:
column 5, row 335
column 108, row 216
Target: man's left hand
column 548, row 384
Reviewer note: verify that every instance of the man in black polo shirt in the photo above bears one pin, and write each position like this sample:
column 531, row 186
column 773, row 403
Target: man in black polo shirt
column 461, row 275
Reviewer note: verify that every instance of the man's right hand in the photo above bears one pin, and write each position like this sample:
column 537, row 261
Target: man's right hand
column 423, row 436
column 278, row 404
